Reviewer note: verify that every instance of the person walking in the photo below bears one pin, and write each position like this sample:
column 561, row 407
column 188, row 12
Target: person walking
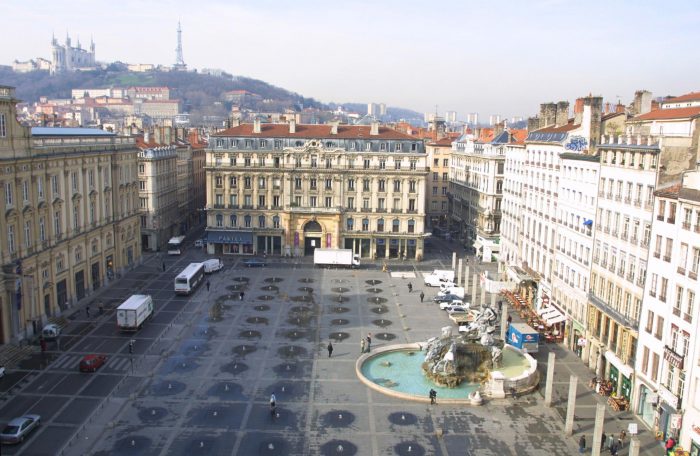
column 613, row 449
column 422, row 295
column 602, row 441
column 163, row 266
column 208, row 285
column 582, row 444
column 621, row 439
column 362, row 344
column 241, row 295
column 369, row 342
column 410, row 287
column 42, row 344
column 273, row 405
column 330, row 348
column 433, row 396
column 87, row 311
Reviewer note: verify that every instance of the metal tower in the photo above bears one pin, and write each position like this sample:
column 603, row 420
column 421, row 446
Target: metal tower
column 179, row 60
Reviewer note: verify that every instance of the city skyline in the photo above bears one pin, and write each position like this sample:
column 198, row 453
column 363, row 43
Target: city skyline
column 464, row 57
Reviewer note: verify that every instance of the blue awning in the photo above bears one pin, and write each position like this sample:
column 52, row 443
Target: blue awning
column 229, row 237
column 588, row 222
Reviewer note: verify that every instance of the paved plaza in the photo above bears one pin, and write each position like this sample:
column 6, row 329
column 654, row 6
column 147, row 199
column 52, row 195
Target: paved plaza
column 205, row 366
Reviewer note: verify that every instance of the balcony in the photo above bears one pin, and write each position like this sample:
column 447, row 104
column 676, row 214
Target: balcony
column 638, row 203
column 680, row 270
column 660, row 218
column 657, row 254
column 667, row 258
column 614, row 314
column 686, row 225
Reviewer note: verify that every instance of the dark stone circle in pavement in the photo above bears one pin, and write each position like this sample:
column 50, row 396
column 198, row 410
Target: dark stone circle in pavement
column 250, row 334
column 265, row 298
column 339, row 309
column 241, row 279
column 337, row 419
column 180, row 365
column 234, row 287
column 270, row 288
column 382, row 323
column 302, row 298
column 262, row 308
column 205, row 332
column 380, row 310
column 403, row 418
column 242, row 350
column 295, row 335
column 216, row 415
column 339, row 322
column 340, row 290
column 338, row 336
column 152, row 414
column 257, row 320
column 194, row 347
column 341, row 299
column 132, row 445
column 274, row 279
column 226, row 391
column 303, row 320
column 410, row 449
column 299, row 309
column 198, row 443
column 338, row 448
column 306, row 289
column 376, row 300
column 234, row 367
column 292, row 351
column 289, row 369
column 374, row 290
column 385, row 336
column 167, row 388
column 306, row 280
column 373, row 282
column 297, row 391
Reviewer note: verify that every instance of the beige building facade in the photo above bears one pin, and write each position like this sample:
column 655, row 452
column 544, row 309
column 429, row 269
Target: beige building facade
column 69, row 224
column 285, row 189
column 437, row 186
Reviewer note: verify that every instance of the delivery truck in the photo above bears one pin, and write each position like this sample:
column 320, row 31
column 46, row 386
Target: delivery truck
column 457, row 291
column 133, row 312
column 336, row 257
column 523, row 336
column 438, row 277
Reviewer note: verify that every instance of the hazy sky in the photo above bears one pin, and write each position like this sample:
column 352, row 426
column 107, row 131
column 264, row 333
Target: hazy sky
column 491, row 57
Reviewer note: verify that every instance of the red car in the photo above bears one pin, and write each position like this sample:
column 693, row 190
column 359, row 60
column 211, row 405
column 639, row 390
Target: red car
column 90, row 363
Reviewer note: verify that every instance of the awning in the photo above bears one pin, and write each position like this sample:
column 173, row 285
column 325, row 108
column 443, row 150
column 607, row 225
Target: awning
column 588, row 222
column 624, row 369
column 554, row 319
column 229, row 237
column 517, row 274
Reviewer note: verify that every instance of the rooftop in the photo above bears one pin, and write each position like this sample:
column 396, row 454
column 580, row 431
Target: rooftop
column 56, row 131
column 692, row 96
column 669, row 114
column 669, row 192
column 313, row 131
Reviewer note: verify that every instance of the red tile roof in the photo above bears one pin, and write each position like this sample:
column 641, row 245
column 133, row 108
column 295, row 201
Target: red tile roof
column 444, row 142
column 519, row 135
column 313, row 131
column 669, row 192
column 560, row 129
column 668, row 114
column 485, row 135
column 692, row 96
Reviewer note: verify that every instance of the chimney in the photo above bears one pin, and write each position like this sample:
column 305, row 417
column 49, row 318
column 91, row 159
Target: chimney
column 292, row 126
column 168, row 135
column 592, row 116
column 157, row 135
column 374, row 129
column 562, row 116
column 498, row 129
column 642, row 102
column 548, row 114
column 334, row 127
column 578, row 111
column 256, row 125
column 146, row 136
column 533, row 123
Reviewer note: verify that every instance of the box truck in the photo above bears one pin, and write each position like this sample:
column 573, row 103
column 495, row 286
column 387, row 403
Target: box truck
column 336, row 257
column 439, row 276
column 212, row 265
column 133, row 312
column 523, row 336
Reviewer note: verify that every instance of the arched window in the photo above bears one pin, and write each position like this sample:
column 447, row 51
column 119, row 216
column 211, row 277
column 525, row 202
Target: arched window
column 380, row 225
column 247, row 221
column 395, row 226
column 234, row 220
column 365, row 224
column 261, row 221
column 411, row 226
column 219, row 220
column 350, row 224
column 276, row 221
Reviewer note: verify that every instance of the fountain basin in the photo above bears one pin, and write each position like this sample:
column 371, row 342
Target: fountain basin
column 393, row 371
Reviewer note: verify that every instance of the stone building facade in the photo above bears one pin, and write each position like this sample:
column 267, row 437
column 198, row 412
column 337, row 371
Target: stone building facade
column 285, row 189
column 69, row 224
column 437, row 186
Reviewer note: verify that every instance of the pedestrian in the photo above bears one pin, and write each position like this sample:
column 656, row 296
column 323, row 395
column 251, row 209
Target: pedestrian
column 433, row 396
column 362, row 344
column 602, row 441
column 102, row 307
column 509, row 319
column 131, row 347
column 611, row 441
column 42, row 344
column 410, row 287
column 670, row 443
column 163, row 266
column 241, row 295
column 87, row 311
column 273, row 405
column 613, row 449
column 208, row 285
column 369, row 342
column 330, row 348
column 621, row 439
column 582, row 444
column 422, row 295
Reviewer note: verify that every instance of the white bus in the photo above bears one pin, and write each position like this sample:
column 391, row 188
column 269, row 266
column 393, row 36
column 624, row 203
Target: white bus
column 176, row 245
column 189, row 279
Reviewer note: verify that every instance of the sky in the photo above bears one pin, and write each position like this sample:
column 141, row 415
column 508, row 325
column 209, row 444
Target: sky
column 491, row 57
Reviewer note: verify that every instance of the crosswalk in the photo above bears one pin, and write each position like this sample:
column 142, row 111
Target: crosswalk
column 70, row 362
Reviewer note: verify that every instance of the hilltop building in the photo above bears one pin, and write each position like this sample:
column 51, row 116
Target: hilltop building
column 65, row 57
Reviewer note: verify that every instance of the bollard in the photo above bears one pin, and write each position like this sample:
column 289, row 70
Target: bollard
column 454, row 260
column 550, row 380
column 466, row 277
column 459, row 272
column 504, row 321
column 598, row 429
column 634, row 447
column 571, row 405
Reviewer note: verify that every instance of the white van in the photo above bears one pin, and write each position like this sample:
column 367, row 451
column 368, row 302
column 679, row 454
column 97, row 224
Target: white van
column 51, row 331
column 213, row 265
column 457, row 291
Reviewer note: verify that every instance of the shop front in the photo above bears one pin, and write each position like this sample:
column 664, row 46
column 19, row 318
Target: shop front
column 668, row 409
column 360, row 246
column 380, row 249
column 646, row 406
column 269, row 245
column 230, row 242
column 578, row 341
column 694, row 448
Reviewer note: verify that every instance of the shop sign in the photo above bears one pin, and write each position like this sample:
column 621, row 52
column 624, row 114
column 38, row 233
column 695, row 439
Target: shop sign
column 676, row 420
column 673, row 358
column 668, row 397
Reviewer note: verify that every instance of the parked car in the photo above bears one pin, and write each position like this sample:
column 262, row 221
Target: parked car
column 254, row 263
column 447, row 304
column 457, row 309
column 2, row 371
column 19, row 428
column 90, row 363
column 446, row 298
column 199, row 243
column 51, row 331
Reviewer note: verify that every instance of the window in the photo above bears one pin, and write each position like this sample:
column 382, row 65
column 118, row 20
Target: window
column 382, row 164
column 446, row 163
column 233, row 201
column 42, row 229
column 690, row 303
column 397, row 185
column 659, row 327
column 664, row 289
column 247, row 221
column 444, row 177
column 261, row 201
column 40, row 187
column 412, row 205
column 297, row 183
column 695, row 261
column 261, row 182
column 232, row 161
column 411, row 226
column 329, row 201
column 435, row 177
column 275, row 201
column 365, row 224
column 669, row 250
column 329, row 184
column 435, row 190
column 678, row 302
column 3, row 126
column 412, row 186
column 142, row 170
column 397, row 164
column 397, row 204
column 219, row 181
column 233, row 182
column 25, row 191
column 76, row 218
column 365, row 185
column 412, row 165
column 395, row 225
column 261, row 221
column 314, row 161
column 382, row 185
column 276, row 222
column 312, row 183
column 247, row 182
column 8, row 194
column 219, row 200
column 329, row 163
column 11, row 238
column 233, row 220
column 351, row 202
column 366, row 163
column 365, row 204
column 349, row 224
column 263, row 144
column 398, row 149
column 351, row 184
column 380, row 225
column 74, row 181
column 142, row 185
column 246, row 162
column 219, row 220
column 312, row 201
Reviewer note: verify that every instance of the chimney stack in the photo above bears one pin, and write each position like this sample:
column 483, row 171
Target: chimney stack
column 292, row 126
column 548, row 114
column 578, row 111
column 334, row 127
column 256, row 126
column 562, row 116
column 374, row 129
column 168, row 135
column 157, row 135
column 533, row 123
column 642, row 102
column 498, row 129
column 146, row 136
